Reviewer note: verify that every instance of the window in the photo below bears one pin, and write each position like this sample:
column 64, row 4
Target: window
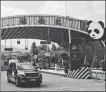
column 25, row 67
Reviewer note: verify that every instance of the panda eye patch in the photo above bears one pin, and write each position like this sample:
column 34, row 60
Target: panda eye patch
column 89, row 31
column 96, row 31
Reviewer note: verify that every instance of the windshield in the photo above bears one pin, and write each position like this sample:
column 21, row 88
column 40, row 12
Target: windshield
column 25, row 67
column 13, row 60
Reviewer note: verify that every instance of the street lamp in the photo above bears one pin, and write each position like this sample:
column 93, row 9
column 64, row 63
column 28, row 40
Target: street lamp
column 69, row 36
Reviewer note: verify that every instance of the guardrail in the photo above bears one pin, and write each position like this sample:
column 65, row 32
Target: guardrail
column 90, row 68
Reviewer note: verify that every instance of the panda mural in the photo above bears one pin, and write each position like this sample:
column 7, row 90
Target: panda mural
column 96, row 30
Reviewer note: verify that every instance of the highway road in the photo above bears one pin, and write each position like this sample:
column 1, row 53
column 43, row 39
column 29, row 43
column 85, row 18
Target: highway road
column 56, row 83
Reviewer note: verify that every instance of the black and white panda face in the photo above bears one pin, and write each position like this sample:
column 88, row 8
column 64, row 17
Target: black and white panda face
column 95, row 30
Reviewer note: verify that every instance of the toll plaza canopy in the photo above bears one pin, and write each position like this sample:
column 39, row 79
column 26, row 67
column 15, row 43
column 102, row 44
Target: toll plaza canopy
column 41, row 27
column 52, row 28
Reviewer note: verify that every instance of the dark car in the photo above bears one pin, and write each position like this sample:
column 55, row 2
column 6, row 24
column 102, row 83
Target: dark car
column 23, row 73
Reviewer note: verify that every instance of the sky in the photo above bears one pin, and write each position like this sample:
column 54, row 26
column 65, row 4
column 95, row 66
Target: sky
column 86, row 10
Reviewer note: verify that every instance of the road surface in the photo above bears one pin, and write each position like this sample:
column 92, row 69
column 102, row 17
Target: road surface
column 56, row 83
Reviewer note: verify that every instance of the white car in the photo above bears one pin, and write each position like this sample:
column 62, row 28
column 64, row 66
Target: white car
column 13, row 60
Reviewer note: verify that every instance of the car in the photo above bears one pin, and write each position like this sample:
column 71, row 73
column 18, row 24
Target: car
column 13, row 60
column 23, row 73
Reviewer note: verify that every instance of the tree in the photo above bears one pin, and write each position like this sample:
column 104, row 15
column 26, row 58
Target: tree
column 2, row 56
column 65, row 45
column 96, row 64
column 41, row 54
column 54, row 47
column 34, row 49
column 86, row 64
column 103, row 64
column 44, row 47
column 64, row 55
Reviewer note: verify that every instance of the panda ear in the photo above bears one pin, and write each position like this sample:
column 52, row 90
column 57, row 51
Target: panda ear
column 101, row 23
column 89, row 22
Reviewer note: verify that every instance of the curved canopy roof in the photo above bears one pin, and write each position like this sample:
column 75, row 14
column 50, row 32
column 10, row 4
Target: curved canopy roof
column 44, row 27
column 48, row 27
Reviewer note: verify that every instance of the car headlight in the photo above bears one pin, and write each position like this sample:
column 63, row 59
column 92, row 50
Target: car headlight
column 21, row 73
column 21, row 76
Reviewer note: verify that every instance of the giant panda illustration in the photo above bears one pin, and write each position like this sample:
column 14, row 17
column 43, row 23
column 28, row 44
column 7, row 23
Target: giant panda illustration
column 96, row 30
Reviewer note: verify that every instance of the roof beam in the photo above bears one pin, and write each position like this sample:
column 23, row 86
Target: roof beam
column 14, row 32
column 9, row 33
column 18, row 32
column 28, row 32
column 32, row 32
column 23, row 32
column 4, row 33
column 36, row 33
column 44, row 33
column 51, row 26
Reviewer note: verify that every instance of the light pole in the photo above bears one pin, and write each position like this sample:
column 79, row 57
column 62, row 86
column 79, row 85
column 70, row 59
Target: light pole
column 69, row 36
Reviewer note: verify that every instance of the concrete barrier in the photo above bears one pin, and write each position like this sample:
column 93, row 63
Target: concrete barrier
column 83, row 73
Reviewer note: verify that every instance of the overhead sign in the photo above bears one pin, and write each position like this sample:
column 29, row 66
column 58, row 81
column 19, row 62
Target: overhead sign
column 45, row 42
column 8, row 49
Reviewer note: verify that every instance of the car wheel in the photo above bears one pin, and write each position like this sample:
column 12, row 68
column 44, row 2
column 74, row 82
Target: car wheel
column 8, row 80
column 17, row 82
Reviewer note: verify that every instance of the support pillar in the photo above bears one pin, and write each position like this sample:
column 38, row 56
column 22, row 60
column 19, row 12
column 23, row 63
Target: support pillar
column 69, row 32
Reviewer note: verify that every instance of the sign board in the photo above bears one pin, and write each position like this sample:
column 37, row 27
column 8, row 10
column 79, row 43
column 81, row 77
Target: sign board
column 18, row 42
column 8, row 49
column 45, row 42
